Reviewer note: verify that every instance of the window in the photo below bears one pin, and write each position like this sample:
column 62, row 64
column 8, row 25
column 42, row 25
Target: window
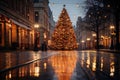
column 36, row 16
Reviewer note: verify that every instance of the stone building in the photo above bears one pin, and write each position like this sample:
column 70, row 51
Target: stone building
column 51, row 25
column 41, row 19
column 16, row 24
column 44, row 19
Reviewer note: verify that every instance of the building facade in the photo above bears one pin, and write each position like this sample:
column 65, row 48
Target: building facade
column 51, row 25
column 44, row 19
column 41, row 19
column 84, row 36
column 16, row 24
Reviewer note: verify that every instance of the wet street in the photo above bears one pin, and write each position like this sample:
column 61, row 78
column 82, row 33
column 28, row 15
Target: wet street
column 59, row 65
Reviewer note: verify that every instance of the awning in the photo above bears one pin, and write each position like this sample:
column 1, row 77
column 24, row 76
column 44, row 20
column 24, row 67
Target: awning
column 20, row 24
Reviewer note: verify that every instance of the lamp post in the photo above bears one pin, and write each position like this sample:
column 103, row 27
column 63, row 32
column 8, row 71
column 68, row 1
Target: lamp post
column 112, row 31
column 36, row 26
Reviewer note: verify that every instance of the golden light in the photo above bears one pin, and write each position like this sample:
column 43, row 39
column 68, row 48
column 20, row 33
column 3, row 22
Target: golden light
column 45, row 36
column 82, row 41
column 112, row 69
column 9, row 76
column 112, row 27
column 45, row 65
column 94, row 35
column 94, row 64
column 101, row 66
column 49, row 42
column 60, row 64
column 36, row 25
column 88, row 61
column 9, row 23
column 102, row 36
column 88, row 39
column 37, row 70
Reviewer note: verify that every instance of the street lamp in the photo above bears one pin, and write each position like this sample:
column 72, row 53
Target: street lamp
column 112, row 31
column 36, row 26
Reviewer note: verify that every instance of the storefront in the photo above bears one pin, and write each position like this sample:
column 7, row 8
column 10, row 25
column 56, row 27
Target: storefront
column 15, row 35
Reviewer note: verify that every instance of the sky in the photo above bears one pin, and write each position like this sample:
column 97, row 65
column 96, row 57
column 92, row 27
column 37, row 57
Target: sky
column 74, row 8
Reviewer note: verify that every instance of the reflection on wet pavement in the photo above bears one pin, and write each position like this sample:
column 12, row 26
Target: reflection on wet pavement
column 65, row 65
column 104, row 65
column 9, row 59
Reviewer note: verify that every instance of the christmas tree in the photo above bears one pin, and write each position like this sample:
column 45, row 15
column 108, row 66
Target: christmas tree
column 63, row 37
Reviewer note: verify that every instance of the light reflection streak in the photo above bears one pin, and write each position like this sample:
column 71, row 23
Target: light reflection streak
column 82, row 61
column 64, row 64
column 45, row 65
column 88, row 60
column 101, row 65
column 112, row 69
column 94, row 64
column 37, row 70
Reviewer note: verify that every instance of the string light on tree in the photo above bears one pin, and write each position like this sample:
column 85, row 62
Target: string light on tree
column 63, row 37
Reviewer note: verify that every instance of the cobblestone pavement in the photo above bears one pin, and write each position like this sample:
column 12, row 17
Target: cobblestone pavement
column 59, row 65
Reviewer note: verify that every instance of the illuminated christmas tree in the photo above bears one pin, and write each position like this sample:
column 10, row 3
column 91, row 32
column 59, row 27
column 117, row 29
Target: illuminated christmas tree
column 63, row 37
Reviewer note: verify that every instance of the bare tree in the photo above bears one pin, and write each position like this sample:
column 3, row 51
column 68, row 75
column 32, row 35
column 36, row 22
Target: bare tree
column 95, row 17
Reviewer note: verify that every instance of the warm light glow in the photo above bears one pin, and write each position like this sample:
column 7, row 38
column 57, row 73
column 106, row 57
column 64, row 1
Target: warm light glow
column 112, row 69
column 9, row 76
column 94, row 64
column 45, row 36
column 63, row 37
column 101, row 66
column 45, row 65
column 93, row 35
column 36, row 25
column 102, row 36
column 88, row 39
column 49, row 42
column 112, row 27
column 82, row 41
column 88, row 60
column 37, row 70
column 64, row 64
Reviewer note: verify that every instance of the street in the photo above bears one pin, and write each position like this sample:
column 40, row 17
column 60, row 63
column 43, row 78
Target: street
column 59, row 65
